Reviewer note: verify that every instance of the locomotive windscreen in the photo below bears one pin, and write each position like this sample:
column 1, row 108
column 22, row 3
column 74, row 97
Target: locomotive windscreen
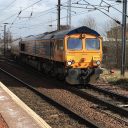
column 74, row 44
column 92, row 44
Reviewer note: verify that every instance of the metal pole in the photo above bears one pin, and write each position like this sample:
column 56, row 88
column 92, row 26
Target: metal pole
column 70, row 13
column 58, row 24
column 123, row 37
column 4, row 39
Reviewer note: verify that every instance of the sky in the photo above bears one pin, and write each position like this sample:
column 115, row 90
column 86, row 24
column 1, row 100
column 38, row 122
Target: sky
column 32, row 17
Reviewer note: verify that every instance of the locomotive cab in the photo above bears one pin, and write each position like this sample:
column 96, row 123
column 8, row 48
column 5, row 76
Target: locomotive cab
column 83, row 58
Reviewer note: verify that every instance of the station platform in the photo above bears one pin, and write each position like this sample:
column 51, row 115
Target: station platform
column 16, row 114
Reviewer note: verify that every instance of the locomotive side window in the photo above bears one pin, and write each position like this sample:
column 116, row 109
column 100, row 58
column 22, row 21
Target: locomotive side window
column 60, row 45
column 22, row 47
column 74, row 44
column 92, row 44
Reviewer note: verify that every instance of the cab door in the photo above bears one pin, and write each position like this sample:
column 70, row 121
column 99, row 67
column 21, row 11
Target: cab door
column 59, row 50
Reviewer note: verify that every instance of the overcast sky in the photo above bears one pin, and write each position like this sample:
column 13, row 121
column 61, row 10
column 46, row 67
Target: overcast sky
column 36, row 19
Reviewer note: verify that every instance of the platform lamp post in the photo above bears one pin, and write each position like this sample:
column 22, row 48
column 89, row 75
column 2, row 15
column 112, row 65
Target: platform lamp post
column 123, row 53
column 5, row 38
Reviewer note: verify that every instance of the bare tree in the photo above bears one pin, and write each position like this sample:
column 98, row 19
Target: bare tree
column 113, row 31
column 106, row 28
column 89, row 22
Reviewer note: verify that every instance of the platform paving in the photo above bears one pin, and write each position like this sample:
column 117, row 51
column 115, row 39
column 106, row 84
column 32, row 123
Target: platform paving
column 16, row 113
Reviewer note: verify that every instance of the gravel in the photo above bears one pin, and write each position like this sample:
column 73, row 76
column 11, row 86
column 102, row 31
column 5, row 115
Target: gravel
column 114, row 88
column 53, row 88
column 53, row 116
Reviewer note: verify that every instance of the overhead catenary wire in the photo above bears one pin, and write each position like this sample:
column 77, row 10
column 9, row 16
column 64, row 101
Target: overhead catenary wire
column 48, row 21
column 50, row 11
column 17, row 16
column 114, row 7
column 8, row 18
column 24, row 10
column 15, row 19
column 8, row 6
column 34, row 17
column 42, row 24
column 104, row 7
column 19, row 12
column 80, row 7
column 63, row 17
column 44, row 13
column 96, row 8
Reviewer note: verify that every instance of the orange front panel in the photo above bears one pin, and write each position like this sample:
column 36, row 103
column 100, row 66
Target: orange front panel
column 83, row 58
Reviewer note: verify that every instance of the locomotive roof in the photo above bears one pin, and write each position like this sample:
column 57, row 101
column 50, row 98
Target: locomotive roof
column 83, row 30
column 62, row 33
column 80, row 30
column 28, row 38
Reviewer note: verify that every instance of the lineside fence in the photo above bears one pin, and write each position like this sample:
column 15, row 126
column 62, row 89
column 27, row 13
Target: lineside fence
column 112, row 54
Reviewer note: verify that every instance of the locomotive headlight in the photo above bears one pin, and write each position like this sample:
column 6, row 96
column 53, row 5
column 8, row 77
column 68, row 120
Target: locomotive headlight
column 69, row 63
column 98, row 62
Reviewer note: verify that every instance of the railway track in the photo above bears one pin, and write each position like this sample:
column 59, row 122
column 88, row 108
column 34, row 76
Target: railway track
column 105, row 101
column 101, row 107
column 84, row 120
column 109, row 93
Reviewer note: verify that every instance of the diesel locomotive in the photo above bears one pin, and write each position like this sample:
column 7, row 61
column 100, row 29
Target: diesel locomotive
column 74, row 55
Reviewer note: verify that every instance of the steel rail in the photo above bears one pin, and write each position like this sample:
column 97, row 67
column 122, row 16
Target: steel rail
column 110, row 106
column 109, row 93
column 87, row 121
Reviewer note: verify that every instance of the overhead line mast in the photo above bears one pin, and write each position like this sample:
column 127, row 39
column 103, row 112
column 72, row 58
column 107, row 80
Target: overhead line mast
column 124, row 15
column 69, row 13
column 58, row 21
